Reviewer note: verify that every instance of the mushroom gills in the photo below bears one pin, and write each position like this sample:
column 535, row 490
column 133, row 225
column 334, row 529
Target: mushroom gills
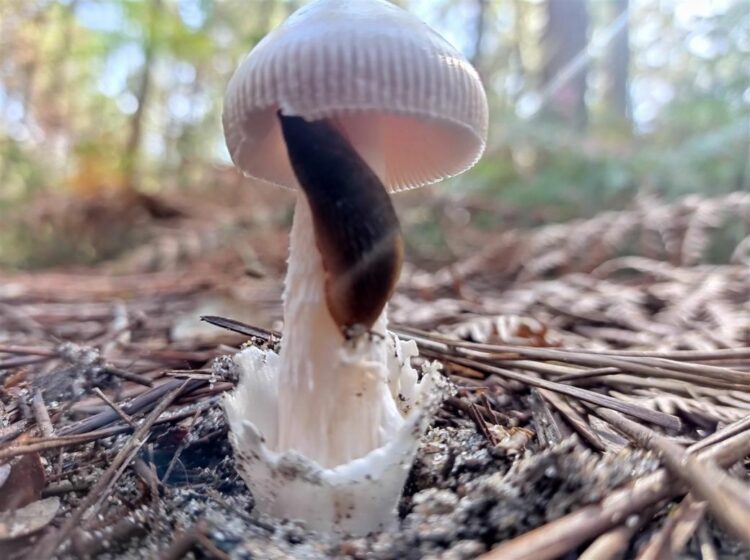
column 356, row 227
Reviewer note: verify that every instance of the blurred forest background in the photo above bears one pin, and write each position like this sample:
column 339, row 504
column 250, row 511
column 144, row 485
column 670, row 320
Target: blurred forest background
column 111, row 142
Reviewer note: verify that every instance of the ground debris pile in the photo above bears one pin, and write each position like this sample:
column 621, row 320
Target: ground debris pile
column 594, row 415
column 486, row 499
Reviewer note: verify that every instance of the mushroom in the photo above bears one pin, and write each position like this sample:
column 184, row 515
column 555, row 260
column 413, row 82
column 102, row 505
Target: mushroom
column 344, row 102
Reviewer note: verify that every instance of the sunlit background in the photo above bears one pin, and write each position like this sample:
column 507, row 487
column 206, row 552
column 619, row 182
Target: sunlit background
column 110, row 104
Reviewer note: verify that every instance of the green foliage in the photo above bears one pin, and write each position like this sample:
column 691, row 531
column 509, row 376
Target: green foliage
column 695, row 141
column 20, row 173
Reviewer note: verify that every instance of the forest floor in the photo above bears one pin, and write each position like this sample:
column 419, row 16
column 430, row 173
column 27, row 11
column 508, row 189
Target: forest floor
column 602, row 406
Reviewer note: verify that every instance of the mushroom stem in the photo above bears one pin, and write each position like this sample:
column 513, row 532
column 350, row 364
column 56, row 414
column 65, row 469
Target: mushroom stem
column 336, row 404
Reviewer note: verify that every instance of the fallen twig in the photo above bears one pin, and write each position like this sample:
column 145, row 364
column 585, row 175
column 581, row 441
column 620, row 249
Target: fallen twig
column 728, row 499
column 570, row 531
column 49, row 544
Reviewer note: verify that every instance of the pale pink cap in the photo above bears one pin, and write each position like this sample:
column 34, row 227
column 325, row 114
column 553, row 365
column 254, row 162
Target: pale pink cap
column 359, row 62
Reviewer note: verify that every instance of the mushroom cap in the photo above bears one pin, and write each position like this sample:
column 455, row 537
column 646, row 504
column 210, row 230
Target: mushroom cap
column 361, row 63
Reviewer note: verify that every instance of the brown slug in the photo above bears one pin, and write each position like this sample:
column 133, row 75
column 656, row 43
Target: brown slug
column 356, row 227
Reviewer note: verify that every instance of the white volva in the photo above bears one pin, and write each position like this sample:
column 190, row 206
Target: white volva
column 327, row 431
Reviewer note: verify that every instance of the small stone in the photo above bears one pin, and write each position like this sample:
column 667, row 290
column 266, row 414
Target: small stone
column 435, row 502
column 464, row 550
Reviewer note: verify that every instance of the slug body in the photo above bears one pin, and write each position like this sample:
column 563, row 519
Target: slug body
column 356, row 227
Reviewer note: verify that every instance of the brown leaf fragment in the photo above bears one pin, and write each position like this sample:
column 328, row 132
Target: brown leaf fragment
column 504, row 329
column 24, row 484
column 516, row 441
column 28, row 519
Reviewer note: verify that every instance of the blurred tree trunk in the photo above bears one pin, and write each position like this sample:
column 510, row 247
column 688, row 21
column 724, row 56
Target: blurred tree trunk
column 61, row 62
column 133, row 143
column 479, row 29
column 619, row 62
column 565, row 67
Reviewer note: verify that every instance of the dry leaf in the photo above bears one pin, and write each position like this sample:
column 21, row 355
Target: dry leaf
column 28, row 519
column 24, row 484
